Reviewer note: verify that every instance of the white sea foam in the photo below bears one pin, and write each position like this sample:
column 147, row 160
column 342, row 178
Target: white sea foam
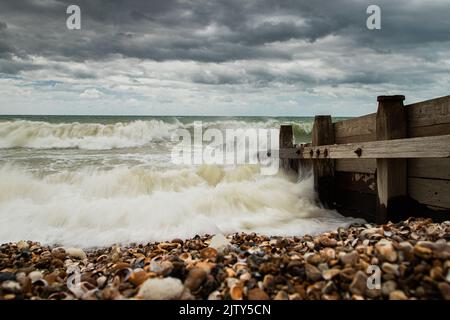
column 92, row 207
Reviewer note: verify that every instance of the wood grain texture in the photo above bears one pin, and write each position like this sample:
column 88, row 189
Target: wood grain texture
column 323, row 170
column 356, row 165
column 429, row 168
column 358, row 129
column 429, row 118
column 431, row 192
column 421, row 147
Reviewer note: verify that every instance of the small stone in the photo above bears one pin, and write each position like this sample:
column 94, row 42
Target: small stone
column 195, row 278
column 405, row 246
column 313, row 258
column 330, row 273
column 422, row 250
column 5, row 276
column 312, row 272
column 397, row 295
column 387, row 287
column 386, row 250
column 186, row 295
column 35, row 276
column 281, row 295
column 208, row 253
column 390, row 268
column 76, row 253
column 138, row 277
column 177, row 240
column 59, row 253
column 22, row 245
column 330, row 253
column 327, row 242
column 359, row 284
column 219, row 242
column 236, row 292
column 330, row 287
column 215, row 295
column 11, row 286
column 101, row 281
column 268, row 281
column 257, row 294
column 349, row 258
column 161, row 289
column 444, row 288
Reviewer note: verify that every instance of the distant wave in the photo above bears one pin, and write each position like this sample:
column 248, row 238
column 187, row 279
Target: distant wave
column 92, row 207
column 97, row 136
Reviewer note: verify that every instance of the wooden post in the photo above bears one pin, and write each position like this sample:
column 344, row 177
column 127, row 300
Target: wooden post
column 391, row 123
column 323, row 169
column 287, row 141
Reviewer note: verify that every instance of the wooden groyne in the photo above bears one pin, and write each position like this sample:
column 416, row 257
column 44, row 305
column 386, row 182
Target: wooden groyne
column 382, row 166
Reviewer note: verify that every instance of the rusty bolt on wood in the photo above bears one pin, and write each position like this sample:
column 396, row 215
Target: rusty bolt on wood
column 311, row 153
column 358, row 152
column 325, row 153
column 269, row 153
column 318, row 152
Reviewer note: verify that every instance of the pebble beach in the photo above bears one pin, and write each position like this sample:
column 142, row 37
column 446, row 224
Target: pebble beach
column 412, row 257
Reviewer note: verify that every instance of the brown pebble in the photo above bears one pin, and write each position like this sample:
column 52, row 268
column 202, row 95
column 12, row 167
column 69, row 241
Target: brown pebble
column 312, row 272
column 359, row 284
column 195, row 278
column 257, row 294
column 397, row 295
column 444, row 288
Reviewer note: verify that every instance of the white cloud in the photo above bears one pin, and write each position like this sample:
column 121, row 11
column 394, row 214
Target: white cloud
column 92, row 94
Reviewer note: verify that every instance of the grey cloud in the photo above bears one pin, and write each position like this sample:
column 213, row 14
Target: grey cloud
column 221, row 31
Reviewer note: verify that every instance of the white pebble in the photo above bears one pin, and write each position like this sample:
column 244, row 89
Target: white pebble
column 161, row 289
column 219, row 242
column 35, row 276
column 76, row 253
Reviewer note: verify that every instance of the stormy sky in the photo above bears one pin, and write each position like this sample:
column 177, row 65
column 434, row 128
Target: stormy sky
column 229, row 57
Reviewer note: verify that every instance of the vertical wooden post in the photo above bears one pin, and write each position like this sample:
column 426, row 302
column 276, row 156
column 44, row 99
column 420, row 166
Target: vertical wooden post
column 287, row 141
column 391, row 124
column 323, row 169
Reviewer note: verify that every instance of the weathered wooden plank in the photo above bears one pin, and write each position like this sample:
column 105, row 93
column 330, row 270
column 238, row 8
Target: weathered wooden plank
column 429, row 168
column 356, row 165
column 286, row 140
column 431, row 192
column 391, row 173
column 434, row 130
column 429, row 113
column 323, row 134
column 422, row 147
column 359, row 129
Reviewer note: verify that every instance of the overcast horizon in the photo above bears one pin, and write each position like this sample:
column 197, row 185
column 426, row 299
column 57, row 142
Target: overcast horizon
column 220, row 58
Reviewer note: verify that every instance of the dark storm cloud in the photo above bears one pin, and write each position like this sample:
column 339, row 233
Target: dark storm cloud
column 216, row 32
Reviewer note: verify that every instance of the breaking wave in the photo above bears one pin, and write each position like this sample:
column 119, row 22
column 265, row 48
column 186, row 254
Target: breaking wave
column 92, row 207
column 98, row 136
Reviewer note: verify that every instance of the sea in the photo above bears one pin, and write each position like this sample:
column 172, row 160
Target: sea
column 93, row 181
